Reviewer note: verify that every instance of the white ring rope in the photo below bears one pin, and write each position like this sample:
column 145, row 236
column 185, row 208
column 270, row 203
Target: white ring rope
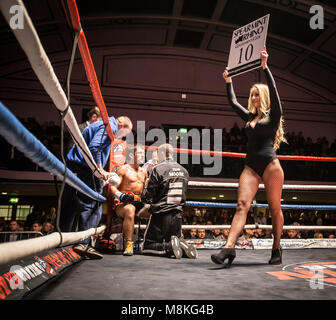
column 31, row 44
column 10, row 251
column 207, row 184
column 247, row 226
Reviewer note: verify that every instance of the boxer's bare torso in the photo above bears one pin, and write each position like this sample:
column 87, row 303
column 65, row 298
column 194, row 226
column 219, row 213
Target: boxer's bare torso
column 132, row 179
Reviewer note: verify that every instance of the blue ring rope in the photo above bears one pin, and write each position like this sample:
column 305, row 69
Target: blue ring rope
column 17, row 135
column 283, row 206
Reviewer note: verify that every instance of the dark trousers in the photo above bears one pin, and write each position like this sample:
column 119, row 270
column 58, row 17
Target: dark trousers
column 76, row 203
column 160, row 228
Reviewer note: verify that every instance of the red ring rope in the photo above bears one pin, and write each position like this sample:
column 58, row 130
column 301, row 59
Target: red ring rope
column 89, row 67
column 243, row 155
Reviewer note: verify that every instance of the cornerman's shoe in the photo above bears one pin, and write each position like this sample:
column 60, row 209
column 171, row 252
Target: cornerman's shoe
column 84, row 250
column 129, row 249
column 173, row 248
column 92, row 253
column 188, row 250
column 80, row 249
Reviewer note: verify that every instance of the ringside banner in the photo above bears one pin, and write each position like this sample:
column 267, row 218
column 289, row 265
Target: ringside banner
column 21, row 276
column 255, row 244
column 219, row 243
column 246, row 44
column 295, row 243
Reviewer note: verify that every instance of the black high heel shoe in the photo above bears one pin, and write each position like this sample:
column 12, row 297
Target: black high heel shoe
column 276, row 257
column 225, row 253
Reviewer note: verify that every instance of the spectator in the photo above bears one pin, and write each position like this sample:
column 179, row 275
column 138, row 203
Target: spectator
column 193, row 234
column 2, row 223
column 293, row 233
column 35, row 215
column 36, row 226
column 247, row 234
column 319, row 219
column 13, row 226
column 318, row 235
column 261, row 219
column 217, row 234
column 258, row 233
column 225, row 233
column 268, row 234
column 306, row 218
column 51, row 216
column 208, row 233
column 43, row 216
column 201, row 234
column 235, row 130
column 47, row 228
column 20, row 226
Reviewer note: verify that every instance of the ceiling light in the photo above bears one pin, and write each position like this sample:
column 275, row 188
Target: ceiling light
column 4, row 193
column 221, row 195
column 294, row 198
column 213, row 198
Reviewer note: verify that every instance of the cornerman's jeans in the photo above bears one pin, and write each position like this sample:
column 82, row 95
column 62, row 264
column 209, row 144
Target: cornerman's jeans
column 75, row 202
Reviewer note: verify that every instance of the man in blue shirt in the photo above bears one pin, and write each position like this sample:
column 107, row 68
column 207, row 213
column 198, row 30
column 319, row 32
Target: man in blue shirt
column 75, row 202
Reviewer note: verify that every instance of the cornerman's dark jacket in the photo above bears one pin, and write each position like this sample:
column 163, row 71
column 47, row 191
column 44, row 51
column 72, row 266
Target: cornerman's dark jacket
column 167, row 188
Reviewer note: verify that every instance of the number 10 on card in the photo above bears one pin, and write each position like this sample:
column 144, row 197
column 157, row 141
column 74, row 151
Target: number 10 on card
column 247, row 43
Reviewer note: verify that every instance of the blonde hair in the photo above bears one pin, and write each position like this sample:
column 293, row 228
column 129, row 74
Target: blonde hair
column 126, row 122
column 265, row 105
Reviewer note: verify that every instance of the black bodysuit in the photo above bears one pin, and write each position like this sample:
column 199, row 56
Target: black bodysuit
column 260, row 151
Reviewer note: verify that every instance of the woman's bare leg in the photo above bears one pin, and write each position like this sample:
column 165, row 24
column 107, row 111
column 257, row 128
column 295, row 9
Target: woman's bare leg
column 273, row 179
column 248, row 187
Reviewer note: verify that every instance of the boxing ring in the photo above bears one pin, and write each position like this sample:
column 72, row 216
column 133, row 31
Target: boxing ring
column 308, row 270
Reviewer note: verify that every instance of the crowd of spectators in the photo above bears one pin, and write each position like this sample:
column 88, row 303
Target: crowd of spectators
column 42, row 222
column 38, row 222
column 233, row 140
column 48, row 133
column 195, row 216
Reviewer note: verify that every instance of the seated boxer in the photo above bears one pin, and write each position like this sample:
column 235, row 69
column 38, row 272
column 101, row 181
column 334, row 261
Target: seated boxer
column 128, row 192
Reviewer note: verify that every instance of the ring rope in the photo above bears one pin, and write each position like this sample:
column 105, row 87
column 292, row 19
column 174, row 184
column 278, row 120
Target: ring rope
column 40, row 63
column 258, row 226
column 247, row 226
column 89, row 67
column 10, row 251
column 63, row 113
column 243, row 155
column 260, row 206
column 207, row 184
